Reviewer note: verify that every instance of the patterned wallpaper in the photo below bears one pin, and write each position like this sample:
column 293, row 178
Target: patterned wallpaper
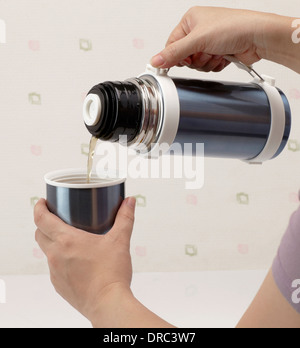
column 51, row 54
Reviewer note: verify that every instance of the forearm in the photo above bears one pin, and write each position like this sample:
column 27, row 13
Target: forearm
column 277, row 303
column 120, row 309
column 274, row 41
column 270, row 309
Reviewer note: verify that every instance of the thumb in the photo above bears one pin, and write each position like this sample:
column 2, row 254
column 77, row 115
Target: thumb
column 175, row 53
column 124, row 222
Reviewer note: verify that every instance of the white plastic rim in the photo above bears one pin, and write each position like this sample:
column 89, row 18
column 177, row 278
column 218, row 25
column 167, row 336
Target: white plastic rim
column 171, row 105
column 91, row 109
column 64, row 178
column 277, row 121
column 268, row 84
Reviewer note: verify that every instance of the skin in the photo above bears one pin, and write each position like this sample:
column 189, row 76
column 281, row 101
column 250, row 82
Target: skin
column 270, row 309
column 93, row 273
column 199, row 43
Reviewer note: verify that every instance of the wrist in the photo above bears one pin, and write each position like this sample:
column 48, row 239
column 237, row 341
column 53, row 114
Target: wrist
column 273, row 39
column 118, row 308
column 108, row 309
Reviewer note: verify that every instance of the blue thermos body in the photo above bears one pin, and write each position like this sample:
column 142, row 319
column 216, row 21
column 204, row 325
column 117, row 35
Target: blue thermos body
column 246, row 121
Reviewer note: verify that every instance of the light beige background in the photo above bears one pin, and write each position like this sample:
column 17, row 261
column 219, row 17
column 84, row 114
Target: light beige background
column 55, row 51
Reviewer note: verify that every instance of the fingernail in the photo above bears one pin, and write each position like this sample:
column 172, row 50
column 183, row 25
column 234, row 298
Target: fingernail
column 218, row 57
column 131, row 202
column 157, row 61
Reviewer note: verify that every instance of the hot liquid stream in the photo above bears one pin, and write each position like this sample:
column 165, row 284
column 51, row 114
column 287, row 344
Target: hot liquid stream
column 92, row 148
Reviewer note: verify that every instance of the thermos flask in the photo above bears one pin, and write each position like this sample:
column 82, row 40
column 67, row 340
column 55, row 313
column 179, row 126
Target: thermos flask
column 246, row 121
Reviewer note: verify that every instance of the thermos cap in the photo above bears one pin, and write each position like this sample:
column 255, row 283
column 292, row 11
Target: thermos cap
column 91, row 109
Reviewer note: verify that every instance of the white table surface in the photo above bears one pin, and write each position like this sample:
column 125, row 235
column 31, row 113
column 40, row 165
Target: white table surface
column 187, row 300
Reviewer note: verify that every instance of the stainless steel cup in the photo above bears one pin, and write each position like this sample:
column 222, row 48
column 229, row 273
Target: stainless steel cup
column 92, row 206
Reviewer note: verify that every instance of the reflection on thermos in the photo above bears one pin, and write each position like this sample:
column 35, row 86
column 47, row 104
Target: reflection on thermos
column 246, row 121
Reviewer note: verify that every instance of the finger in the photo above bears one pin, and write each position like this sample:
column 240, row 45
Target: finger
column 248, row 58
column 47, row 222
column 124, row 222
column 212, row 64
column 43, row 241
column 186, row 62
column 200, row 59
column 221, row 66
column 176, row 52
column 177, row 34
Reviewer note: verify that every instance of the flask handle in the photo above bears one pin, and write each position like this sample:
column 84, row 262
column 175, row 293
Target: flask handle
column 242, row 66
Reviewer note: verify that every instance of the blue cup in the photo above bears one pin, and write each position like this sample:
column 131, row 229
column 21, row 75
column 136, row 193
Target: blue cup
column 91, row 207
